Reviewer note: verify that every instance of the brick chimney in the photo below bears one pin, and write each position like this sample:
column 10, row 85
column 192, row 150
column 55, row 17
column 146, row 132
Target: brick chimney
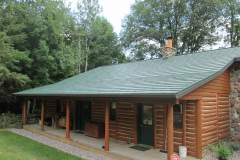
column 168, row 50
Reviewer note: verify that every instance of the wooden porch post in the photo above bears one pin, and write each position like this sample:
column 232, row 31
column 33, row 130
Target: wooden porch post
column 107, row 111
column 135, row 125
column 184, row 122
column 155, row 124
column 74, row 116
column 199, row 129
column 170, row 130
column 68, row 120
column 25, row 111
column 42, row 116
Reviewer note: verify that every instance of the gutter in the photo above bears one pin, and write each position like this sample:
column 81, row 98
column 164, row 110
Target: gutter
column 159, row 96
column 206, row 80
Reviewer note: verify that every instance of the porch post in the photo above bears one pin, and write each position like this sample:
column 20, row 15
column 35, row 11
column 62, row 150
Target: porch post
column 25, row 111
column 199, row 129
column 42, row 116
column 74, row 116
column 155, row 124
column 67, row 121
column 107, row 111
column 170, row 131
column 135, row 123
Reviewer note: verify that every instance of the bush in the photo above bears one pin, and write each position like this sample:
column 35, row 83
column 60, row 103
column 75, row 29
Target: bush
column 234, row 148
column 222, row 151
column 10, row 121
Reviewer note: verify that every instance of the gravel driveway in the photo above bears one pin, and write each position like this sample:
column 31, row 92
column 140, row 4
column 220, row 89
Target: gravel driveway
column 60, row 145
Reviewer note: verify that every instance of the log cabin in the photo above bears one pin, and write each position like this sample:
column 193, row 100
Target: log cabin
column 176, row 100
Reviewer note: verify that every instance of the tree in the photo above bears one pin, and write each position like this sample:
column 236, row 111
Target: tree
column 104, row 46
column 99, row 43
column 200, row 24
column 50, row 55
column 191, row 24
column 10, row 32
column 88, row 11
column 231, row 13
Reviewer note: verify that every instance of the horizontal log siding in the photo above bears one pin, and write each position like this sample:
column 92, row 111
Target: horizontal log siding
column 161, row 126
column 210, row 119
column 223, row 116
column 220, row 84
column 98, row 111
column 123, row 127
column 125, row 122
column 191, row 127
column 112, row 129
column 177, row 139
column 50, row 108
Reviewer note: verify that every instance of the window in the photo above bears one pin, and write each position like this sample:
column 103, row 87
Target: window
column 147, row 115
column 113, row 111
column 177, row 113
column 59, row 108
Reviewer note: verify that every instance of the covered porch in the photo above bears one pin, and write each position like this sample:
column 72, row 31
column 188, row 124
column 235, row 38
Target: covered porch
column 119, row 149
column 148, row 122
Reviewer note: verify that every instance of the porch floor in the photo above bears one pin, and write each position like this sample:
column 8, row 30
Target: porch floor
column 118, row 148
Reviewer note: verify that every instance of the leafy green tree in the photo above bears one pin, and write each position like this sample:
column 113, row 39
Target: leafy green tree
column 231, row 11
column 200, row 25
column 104, row 47
column 99, row 43
column 10, row 33
column 49, row 27
column 88, row 11
column 191, row 24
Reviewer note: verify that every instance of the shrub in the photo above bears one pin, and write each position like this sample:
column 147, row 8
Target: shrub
column 10, row 121
column 222, row 151
column 234, row 148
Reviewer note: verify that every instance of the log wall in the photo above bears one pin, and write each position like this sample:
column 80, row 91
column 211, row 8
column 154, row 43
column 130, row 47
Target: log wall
column 161, row 126
column 177, row 139
column 223, row 116
column 220, row 84
column 191, row 127
column 98, row 112
column 123, row 127
column 216, row 117
column 50, row 108
column 209, row 119
column 214, row 96
column 125, row 122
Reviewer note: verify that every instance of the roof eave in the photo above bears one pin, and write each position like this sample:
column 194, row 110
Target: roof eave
column 159, row 96
column 181, row 94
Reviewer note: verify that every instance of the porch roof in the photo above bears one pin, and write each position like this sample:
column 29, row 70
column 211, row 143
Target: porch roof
column 160, row 78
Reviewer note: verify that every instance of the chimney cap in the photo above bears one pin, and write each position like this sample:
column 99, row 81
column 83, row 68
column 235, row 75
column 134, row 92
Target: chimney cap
column 169, row 37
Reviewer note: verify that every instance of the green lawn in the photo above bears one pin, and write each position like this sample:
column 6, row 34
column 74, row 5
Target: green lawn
column 16, row 147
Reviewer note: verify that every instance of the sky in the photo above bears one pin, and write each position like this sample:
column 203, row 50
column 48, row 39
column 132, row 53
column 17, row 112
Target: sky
column 113, row 10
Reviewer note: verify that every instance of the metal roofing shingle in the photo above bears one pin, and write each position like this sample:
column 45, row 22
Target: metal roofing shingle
column 157, row 77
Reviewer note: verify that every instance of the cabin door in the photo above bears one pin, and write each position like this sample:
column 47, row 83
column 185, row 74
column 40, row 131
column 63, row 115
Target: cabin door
column 145, row 127
column 83, row 114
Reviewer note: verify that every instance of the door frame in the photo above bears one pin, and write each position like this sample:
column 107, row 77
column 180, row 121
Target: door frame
column 140, row 120
column 79, row 110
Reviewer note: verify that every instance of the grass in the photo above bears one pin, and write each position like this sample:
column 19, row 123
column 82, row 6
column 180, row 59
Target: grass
column 14, row 146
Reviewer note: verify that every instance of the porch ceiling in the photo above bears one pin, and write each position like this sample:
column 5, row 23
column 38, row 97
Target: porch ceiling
column 160, row 78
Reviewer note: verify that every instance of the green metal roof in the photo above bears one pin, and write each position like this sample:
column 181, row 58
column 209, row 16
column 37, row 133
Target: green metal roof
column 161, row 78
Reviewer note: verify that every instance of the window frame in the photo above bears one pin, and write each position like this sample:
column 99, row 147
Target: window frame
column 113, row 112
column 178, row 113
